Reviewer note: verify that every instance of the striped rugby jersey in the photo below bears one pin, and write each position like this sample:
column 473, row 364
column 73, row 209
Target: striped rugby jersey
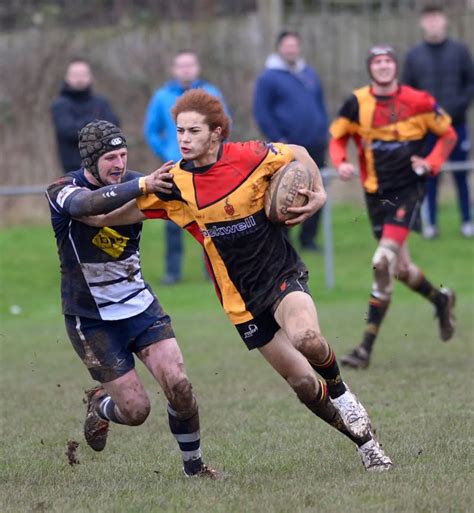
column 387, row 131
column 222, row 206
column 101, row 275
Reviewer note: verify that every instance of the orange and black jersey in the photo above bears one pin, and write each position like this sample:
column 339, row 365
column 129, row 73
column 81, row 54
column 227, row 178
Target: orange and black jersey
column 388, row 131
column 222, row 206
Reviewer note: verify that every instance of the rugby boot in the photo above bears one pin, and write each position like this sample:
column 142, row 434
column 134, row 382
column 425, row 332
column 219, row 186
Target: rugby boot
column 445, row 315
column 207, row 472
column 352, row 413
column 95, row 427
column 373, row 457
column 358, row 358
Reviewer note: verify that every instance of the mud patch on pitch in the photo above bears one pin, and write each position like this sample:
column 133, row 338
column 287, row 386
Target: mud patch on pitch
column 71, row 452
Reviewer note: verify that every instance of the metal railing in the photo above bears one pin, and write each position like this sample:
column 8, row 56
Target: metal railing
column 328, row 174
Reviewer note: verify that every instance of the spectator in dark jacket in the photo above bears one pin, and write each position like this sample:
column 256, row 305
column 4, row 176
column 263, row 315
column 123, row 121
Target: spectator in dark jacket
column 289, row 107
column 76, row 106
column 444, row 68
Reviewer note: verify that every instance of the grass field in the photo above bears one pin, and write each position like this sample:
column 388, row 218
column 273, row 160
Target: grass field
column 277, row 456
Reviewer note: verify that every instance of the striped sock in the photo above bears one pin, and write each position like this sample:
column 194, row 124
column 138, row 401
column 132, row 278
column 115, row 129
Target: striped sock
column 325, row 410
column 377, row 310
column 186, row 432
column 329, row 370
column 433, row 294
column 108, row 410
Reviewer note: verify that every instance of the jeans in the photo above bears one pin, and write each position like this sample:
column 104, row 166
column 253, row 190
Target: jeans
column 460, row 153
column 174, row 250
column 309, row 229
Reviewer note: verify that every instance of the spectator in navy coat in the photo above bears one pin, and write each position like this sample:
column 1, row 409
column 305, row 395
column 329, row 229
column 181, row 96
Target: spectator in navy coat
column 289, row 107
column 75, row 106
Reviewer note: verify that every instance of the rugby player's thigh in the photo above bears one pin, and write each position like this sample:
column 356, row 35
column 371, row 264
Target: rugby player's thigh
column 297, row 312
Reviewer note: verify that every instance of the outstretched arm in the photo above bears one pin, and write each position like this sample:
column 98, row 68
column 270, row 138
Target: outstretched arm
column 317, row 196
column 127, row 214
column 83, row 202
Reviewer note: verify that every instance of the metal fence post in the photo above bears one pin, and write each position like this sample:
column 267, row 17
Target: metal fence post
column 328, row 243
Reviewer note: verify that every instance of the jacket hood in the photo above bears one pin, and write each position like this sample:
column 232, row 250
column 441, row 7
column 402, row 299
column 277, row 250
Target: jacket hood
column 275, row 61
column 174, row 85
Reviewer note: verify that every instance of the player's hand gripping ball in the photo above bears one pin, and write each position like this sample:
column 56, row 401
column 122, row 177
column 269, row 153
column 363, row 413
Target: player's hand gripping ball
column 283, row 191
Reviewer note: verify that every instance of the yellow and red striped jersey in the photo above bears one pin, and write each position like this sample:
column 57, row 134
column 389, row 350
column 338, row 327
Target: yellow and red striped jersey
column 222, row 206
column 387, row 131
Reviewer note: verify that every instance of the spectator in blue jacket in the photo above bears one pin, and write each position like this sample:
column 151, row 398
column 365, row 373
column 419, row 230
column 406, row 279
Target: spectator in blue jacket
column 444, row 68
column 289, row 107
column 76, row 106
column 160, row 133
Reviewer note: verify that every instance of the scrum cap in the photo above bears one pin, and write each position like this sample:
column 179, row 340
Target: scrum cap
column 96, row 139
column 382, row 49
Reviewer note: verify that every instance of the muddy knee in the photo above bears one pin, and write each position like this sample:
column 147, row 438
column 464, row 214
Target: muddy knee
column 305, row 387
column 308, row 341
column 384, row 263
column 135, row 413
column 181, row 397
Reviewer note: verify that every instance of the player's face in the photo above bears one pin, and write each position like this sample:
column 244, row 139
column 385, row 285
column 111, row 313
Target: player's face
column 195, row 139
column 79, row 76
column 290, row 49
column 112, row 166
column 383, row 70
column 185, row 68
column 434, row 26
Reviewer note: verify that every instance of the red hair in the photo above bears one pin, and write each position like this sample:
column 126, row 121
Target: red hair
column 209, row 106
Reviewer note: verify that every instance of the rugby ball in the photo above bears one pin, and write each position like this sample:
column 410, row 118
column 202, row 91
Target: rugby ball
column 282, row 192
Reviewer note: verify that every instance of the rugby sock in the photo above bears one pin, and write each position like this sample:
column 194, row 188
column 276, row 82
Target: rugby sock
column 186, row 432
column 325, row 410
column 426, row 289
column 377, row 310
column 108, row 410
column 329, row 370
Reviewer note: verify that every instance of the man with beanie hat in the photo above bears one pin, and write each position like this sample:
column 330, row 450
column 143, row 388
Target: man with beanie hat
column 111, row 313
column 388, row 123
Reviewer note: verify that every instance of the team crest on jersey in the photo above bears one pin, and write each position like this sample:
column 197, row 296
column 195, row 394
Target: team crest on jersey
column 400, row 214
column 110, row 241
column 229, row 209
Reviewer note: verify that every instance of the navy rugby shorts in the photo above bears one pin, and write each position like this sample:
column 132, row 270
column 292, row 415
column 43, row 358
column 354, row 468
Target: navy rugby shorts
column 107, row 347
column 262, row 328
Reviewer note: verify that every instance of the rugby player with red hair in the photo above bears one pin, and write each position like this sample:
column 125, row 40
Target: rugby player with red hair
column 218, row 195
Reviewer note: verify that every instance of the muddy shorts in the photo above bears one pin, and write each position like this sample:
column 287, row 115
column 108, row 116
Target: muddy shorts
column 107, row 347
column 400, row 207
column 262, row 328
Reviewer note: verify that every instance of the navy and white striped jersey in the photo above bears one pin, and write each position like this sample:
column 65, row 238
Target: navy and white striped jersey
column 101, row 275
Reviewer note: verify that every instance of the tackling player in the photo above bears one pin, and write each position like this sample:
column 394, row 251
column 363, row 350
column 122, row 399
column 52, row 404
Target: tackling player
column 218, row 196
column 388, row 123
column 110, row 312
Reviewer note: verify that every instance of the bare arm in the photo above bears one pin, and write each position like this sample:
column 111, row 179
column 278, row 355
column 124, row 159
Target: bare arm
column 127, row 214
column 317, row 196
